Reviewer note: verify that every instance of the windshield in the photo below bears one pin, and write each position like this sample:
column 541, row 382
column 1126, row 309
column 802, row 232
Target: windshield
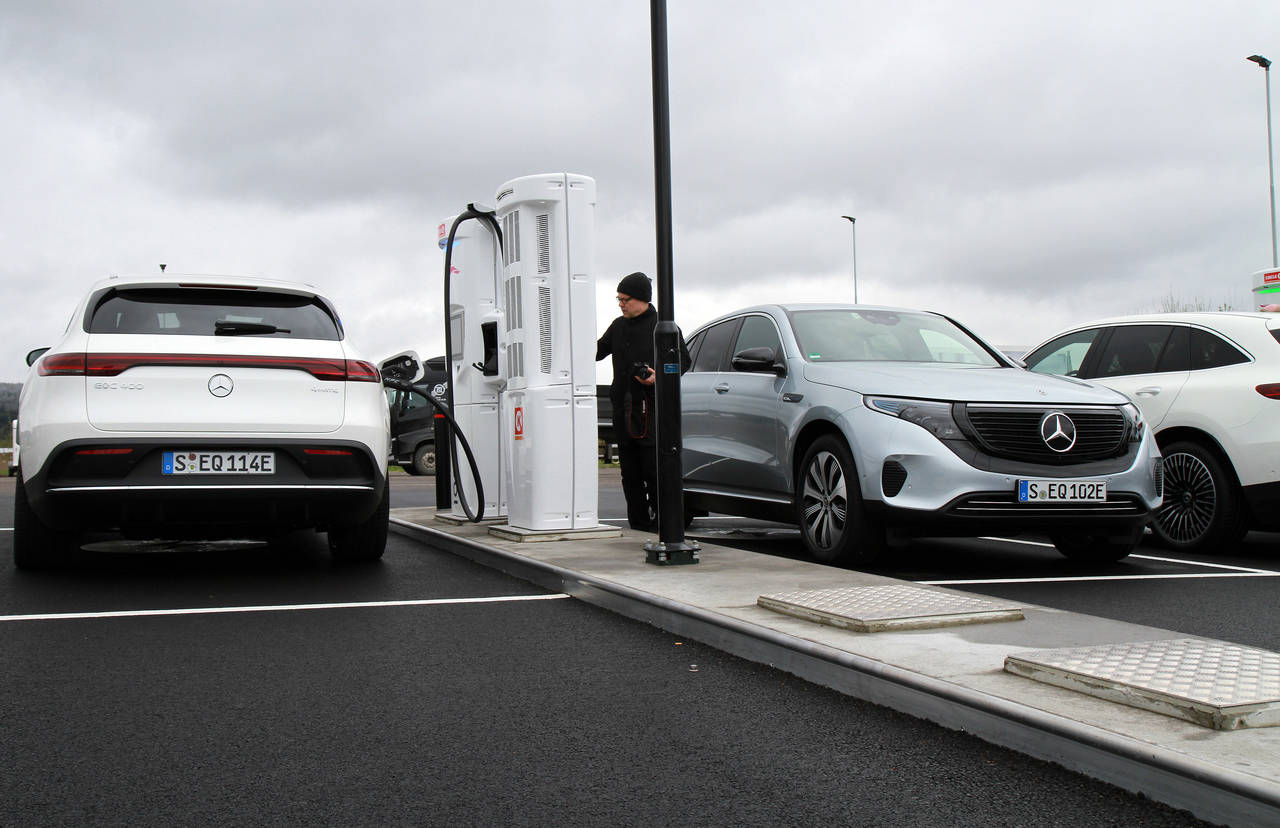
column 201, row 312
column 843, row 335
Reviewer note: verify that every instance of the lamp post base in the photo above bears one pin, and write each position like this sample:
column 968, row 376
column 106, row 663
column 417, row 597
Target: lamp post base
column 679, row 553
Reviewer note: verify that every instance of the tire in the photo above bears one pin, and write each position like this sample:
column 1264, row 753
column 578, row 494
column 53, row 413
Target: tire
column 1087, row 548
column 829, row 509
column 35, row 545
column 1203, row 507
column 364, row 541
column 424, row 459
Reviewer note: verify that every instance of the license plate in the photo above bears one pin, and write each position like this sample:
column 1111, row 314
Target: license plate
column 218, row 462
column 1062, row 491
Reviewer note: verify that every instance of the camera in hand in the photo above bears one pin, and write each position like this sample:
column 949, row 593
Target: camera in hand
column 639, row 370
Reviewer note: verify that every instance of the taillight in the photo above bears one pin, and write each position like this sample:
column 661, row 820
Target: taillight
column 1270, row 390
column 360, row 371
column 328, row 452
column 102, row 451
column 110, row 365
column 62, row 365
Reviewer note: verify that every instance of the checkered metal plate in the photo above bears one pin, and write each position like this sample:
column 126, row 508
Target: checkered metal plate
column 896, row 606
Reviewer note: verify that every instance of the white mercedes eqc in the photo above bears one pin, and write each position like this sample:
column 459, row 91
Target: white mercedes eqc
column 201, row 407
column 862, row 423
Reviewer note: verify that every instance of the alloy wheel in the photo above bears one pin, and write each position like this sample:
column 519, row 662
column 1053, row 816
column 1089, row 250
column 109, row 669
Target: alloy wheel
column 825, row 500
column 1190, row 498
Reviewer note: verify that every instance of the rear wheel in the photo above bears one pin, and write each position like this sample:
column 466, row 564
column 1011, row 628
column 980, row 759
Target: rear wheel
column 1088, row 548
column 424, row 459
column 364, row 541
column 35, row 545
column 1203, row 507
column 829, row 507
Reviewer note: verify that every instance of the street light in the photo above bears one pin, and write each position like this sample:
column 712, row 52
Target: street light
column 853, row 223
column 1266, row 68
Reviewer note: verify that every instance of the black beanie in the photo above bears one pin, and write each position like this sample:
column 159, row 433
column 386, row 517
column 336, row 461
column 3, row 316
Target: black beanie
column 636, row 285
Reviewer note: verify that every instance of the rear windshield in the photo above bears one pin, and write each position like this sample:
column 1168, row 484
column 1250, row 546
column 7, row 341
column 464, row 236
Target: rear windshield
column 202, row 312
column 885, row 336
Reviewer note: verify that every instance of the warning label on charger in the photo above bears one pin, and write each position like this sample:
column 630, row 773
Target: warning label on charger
column 519, row 423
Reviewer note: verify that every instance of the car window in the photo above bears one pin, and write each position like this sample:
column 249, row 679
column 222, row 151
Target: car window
column 1177, row 351
column 1211, row 351
column 715, row 346
column 1064, row 355
column 190, row 312
column 693, row 345
column 757, row 332
column 843, row 335
column 1133, row 349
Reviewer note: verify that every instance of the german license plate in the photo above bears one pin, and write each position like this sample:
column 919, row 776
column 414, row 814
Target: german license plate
column 1062, row 491
column 218, row 462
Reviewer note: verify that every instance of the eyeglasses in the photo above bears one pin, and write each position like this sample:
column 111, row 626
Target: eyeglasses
column 622, row 300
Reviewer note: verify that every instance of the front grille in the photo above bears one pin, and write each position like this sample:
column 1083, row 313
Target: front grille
column 1005, row 504
column 1013, row 432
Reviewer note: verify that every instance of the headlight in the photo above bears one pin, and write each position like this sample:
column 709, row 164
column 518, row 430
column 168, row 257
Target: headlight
column 1136, row 423
column 934, row 417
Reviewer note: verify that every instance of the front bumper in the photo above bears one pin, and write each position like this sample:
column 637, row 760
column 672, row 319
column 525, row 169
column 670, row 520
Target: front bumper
column 914, row 483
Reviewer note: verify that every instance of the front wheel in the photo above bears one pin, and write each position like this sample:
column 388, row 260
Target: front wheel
column 1088, row 548
column 1203, row 507
column 829, row 507
column 364, row 541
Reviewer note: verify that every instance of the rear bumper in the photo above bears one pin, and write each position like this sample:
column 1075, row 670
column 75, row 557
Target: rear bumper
column 316, row 484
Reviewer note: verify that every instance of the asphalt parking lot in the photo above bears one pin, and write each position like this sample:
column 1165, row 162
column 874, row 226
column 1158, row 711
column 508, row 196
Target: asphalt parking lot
column 239, row 683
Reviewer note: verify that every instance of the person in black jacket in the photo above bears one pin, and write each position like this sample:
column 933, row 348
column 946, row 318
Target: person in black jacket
column 629, row 340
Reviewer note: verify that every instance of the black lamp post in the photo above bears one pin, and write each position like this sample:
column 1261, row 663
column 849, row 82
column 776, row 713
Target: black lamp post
column 1266, row 68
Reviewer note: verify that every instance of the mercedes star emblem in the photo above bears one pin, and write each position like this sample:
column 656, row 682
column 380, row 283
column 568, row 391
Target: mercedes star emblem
column 220, row 385
column 1057, row 431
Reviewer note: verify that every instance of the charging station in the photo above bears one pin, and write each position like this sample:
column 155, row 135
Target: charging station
column 547, row 350
column 475, row 317
column 1266, row 287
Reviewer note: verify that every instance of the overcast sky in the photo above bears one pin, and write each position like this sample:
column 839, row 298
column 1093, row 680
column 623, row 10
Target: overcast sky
column 1020, row 166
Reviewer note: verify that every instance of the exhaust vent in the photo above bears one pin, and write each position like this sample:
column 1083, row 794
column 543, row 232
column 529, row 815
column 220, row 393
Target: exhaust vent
column 544, row 327
column 511, row 238
column 544, row 242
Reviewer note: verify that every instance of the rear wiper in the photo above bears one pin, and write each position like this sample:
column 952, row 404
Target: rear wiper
column 224, row 328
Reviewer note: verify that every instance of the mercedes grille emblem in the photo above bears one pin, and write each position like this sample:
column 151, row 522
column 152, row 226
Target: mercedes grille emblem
column 1057, row 431
column 220, row 385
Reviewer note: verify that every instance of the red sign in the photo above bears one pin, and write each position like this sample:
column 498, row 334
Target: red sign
column 519, row 420
column 1271, row 277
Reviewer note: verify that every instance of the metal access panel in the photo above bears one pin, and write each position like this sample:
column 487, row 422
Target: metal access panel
column 481, row 423
column 548, row 281
column 1212, row 683
column 554, row 472
column 891, row 607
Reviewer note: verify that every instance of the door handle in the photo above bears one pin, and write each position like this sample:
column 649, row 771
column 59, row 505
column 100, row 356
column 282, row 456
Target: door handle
column 1149, row 391
column 722, row 388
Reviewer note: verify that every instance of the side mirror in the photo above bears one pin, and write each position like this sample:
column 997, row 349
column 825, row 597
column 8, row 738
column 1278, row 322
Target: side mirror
column 32, row 356
column 761, row 360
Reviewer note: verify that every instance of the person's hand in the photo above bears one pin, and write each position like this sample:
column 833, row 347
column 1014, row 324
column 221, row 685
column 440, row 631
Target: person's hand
column 650, row 379
column 1269, row 308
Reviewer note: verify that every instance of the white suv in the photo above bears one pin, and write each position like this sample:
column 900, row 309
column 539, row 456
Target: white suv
column 1208, row 385
column 201, row 407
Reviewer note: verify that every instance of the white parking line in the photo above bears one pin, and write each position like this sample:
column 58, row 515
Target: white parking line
column 1234, row 571
column 62, row 616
